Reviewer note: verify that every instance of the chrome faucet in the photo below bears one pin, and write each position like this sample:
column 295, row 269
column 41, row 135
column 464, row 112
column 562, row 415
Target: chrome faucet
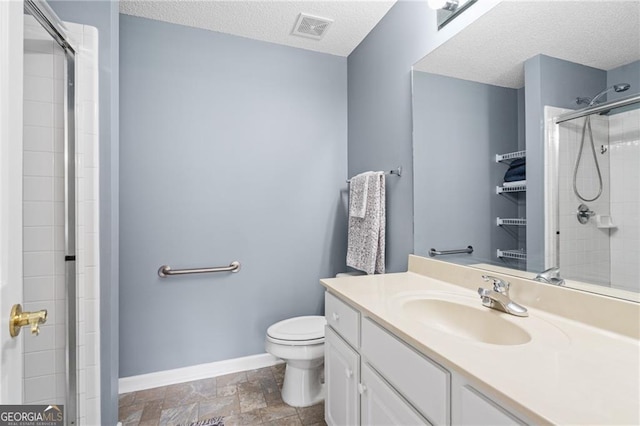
column 550, row 276
column 498, row 297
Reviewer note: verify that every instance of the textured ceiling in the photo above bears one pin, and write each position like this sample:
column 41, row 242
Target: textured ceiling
column 270, row 21
column 492, row 50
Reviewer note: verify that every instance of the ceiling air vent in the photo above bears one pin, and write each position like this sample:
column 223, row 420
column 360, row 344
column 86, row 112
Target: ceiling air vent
column 311, row 26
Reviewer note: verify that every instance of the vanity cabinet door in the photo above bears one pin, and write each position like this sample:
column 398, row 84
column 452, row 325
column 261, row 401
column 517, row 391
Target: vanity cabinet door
column 342, row 376
column 422, row 382
column 381, row 405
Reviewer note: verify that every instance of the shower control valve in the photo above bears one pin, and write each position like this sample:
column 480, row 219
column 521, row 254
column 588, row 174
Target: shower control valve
column 584, row 213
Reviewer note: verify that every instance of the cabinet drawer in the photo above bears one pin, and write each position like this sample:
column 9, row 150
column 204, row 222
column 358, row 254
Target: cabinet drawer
column 342, row 318
column 477, row 410
column 422, row 382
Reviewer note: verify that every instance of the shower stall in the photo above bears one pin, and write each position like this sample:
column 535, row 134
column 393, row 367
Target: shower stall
column 594, row 197
column 50, row 162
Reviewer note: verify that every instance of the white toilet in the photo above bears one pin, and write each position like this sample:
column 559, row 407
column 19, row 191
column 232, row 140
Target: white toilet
column 299, row 342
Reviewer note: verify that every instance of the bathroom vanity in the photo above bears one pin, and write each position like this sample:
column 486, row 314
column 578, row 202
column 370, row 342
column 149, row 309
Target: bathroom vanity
column 419, row 348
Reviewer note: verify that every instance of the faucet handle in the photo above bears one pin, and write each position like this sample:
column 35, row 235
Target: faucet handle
column 499, row 285
column 550, row 276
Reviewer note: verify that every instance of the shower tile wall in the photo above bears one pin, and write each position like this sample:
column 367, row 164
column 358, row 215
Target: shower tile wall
column 584, row 249
column 624, row 153
column 43, row 216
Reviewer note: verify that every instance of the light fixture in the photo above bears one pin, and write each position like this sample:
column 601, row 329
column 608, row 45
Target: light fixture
column 449, row 5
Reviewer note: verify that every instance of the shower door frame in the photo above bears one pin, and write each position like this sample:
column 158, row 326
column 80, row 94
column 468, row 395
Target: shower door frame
column 43, row 14
column 11, row 119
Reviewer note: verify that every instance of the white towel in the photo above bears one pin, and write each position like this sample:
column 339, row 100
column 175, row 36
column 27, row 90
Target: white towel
column 366, row 238
column 358, row 189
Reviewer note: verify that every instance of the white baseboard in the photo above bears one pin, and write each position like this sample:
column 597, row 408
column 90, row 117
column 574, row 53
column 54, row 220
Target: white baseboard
column 195, row 372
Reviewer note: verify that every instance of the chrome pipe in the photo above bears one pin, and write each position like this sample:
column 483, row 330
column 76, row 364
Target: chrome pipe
column 433, row 252
column 629, row 100
column 70, row 231
column 165, row 270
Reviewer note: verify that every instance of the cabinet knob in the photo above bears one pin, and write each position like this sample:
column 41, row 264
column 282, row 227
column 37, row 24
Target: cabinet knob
column 336, row 316
column 348, row 372
column 362, row 388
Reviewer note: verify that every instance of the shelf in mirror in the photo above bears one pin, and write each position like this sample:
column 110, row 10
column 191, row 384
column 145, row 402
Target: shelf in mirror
column 512, row 254
column 510, row 156
column 500, row 221
column 506, row 189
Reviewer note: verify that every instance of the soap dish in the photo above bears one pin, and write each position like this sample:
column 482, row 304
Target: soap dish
column 603, row 221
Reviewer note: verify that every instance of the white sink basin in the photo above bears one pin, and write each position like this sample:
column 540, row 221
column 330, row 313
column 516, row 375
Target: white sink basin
column 461, row 316
column 474, row 323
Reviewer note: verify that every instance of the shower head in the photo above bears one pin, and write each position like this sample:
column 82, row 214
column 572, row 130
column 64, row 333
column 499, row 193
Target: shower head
column 620, row 87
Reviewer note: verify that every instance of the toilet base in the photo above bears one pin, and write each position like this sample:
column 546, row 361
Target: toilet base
column 302, row 385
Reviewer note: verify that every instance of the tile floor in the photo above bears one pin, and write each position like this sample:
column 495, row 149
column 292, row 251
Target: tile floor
column 245, row 398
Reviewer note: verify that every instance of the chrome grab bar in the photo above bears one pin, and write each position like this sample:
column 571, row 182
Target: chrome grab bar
column 165, row 270
column 433, row 252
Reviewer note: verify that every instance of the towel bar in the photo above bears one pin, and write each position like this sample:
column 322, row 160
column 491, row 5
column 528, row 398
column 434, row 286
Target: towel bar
column 433, row 252
column 165, row 270
column 397, row 171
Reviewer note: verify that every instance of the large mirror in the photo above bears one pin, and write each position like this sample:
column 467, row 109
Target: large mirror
column 494, row 170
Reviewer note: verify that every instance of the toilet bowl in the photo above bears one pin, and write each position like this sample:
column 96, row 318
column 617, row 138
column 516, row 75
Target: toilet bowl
column 299, row 342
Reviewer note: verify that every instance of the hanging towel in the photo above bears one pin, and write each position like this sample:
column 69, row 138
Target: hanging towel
column 366, row 235
column 358, row 189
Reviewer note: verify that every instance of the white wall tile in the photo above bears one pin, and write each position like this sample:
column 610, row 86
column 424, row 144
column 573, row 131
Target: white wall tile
column 39, row 363
column 38, row 64
column 60, row 361
column 38, row 264
column 42, row 342
column 38, row 114
column 37, row 213
column 61, row 335
column 38, row 89
column 38, row 188
column 58, row 140
column 37, row 138
column 38, row 238
column 38, row 163
column 39, row 289
column 40, row 388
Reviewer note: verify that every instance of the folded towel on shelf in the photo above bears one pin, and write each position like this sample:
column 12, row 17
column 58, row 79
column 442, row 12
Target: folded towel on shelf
column 516, row 173
column 366, row 235
column 514, row 183
column 358, row 189
column 518, row 162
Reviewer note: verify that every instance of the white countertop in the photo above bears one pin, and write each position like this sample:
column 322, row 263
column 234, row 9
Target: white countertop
column 569, row 373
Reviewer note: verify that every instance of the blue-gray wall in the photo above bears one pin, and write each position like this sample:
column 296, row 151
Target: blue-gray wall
column 458, row 128
column 232, row 149
column 380, row 128
column 104, row 16
column 553, row 82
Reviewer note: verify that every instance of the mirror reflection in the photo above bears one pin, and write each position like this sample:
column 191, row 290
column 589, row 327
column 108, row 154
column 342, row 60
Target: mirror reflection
column 492, row 167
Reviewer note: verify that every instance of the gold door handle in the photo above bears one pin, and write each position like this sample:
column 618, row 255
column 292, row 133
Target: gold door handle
column 19, row 319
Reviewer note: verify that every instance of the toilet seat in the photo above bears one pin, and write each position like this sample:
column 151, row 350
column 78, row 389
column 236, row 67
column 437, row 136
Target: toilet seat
column 298, row 331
